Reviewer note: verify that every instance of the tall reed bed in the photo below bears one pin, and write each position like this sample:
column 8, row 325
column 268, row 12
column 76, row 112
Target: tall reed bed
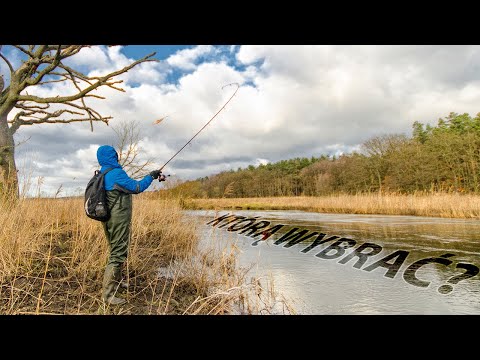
column 435, row 205
column 52, row 258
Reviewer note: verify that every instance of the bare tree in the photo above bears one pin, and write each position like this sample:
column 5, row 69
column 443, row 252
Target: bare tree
column 128, row 137
column 43, row 65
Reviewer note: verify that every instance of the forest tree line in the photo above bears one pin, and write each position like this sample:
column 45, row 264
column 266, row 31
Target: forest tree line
column 440, row 158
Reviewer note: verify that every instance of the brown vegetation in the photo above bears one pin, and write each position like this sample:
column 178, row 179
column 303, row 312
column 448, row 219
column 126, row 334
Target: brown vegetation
column 52, row 259
column 438, row 205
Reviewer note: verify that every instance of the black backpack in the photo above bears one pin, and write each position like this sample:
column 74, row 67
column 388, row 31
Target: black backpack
column 96, row 206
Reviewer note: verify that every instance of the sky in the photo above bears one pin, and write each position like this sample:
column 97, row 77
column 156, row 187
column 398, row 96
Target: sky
column 293, row 101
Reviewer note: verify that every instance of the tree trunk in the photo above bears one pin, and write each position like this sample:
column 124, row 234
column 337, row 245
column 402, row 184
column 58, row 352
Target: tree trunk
column 8, row 170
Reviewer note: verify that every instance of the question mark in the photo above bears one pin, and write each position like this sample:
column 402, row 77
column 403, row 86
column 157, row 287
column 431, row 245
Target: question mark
column 472, row 270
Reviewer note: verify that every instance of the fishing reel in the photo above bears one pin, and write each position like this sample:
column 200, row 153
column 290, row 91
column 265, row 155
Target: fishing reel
column 162, row 177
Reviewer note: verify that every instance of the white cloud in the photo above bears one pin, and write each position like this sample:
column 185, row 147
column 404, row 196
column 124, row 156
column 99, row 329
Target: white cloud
column 185, row 59
column 250, row 54
column 91, row 57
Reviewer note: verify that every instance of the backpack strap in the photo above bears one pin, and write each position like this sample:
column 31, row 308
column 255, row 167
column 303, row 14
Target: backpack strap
column 118, row 197
column 106, row 171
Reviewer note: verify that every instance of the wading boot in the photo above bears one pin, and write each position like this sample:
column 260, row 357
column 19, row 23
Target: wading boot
column 111, row 283
column 123, row 283
column 123, row 287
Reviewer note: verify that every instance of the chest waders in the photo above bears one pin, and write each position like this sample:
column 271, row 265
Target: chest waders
column 117, row 231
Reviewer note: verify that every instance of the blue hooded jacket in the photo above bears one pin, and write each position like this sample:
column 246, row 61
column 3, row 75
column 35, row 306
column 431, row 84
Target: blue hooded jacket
column 117, row 179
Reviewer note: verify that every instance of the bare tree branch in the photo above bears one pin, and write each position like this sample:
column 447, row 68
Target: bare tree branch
column 32, row 107
column 76, row 73
column 8, row 63
column 24, row 100
column 102, row 81
column 40, row 50
column 53, row 64
column 28, row 52
column 128, row 138
column 95, row 96
column 51, row 81
column 49, row 118
column 72, row 77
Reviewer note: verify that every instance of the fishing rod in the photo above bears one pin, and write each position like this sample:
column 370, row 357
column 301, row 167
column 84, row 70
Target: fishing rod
column 162, row 177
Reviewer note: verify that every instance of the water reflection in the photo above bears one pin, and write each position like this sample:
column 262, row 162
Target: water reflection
column 430, row 254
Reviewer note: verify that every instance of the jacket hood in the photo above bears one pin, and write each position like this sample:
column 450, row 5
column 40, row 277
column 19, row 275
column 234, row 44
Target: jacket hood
column 107, row 156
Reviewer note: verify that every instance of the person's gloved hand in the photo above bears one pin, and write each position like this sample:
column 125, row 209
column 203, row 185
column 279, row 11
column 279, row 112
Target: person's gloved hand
column 155, row 174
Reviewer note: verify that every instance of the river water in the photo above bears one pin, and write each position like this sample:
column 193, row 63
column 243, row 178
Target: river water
column 372, row 264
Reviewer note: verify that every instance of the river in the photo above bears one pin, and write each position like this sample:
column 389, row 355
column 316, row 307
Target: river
column 372, row 264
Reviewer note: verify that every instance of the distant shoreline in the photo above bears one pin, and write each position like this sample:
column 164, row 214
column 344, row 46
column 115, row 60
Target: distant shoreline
column 435, row 205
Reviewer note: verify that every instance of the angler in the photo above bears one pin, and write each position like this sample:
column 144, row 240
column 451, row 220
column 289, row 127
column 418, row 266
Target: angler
column 119, row 189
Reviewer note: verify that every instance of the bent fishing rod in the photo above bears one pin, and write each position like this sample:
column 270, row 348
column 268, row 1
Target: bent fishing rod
column 199, row 131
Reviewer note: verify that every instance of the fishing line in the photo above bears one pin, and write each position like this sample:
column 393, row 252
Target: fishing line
column 204, row 126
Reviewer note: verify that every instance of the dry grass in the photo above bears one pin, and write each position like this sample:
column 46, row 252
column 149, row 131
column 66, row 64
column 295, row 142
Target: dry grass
column 52, row 259
column 437, row 205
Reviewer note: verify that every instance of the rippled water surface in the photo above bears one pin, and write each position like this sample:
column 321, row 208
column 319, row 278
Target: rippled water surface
column 325, row 285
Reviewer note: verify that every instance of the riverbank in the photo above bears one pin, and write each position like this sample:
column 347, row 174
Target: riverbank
column 436, row 205
column 52, row 259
